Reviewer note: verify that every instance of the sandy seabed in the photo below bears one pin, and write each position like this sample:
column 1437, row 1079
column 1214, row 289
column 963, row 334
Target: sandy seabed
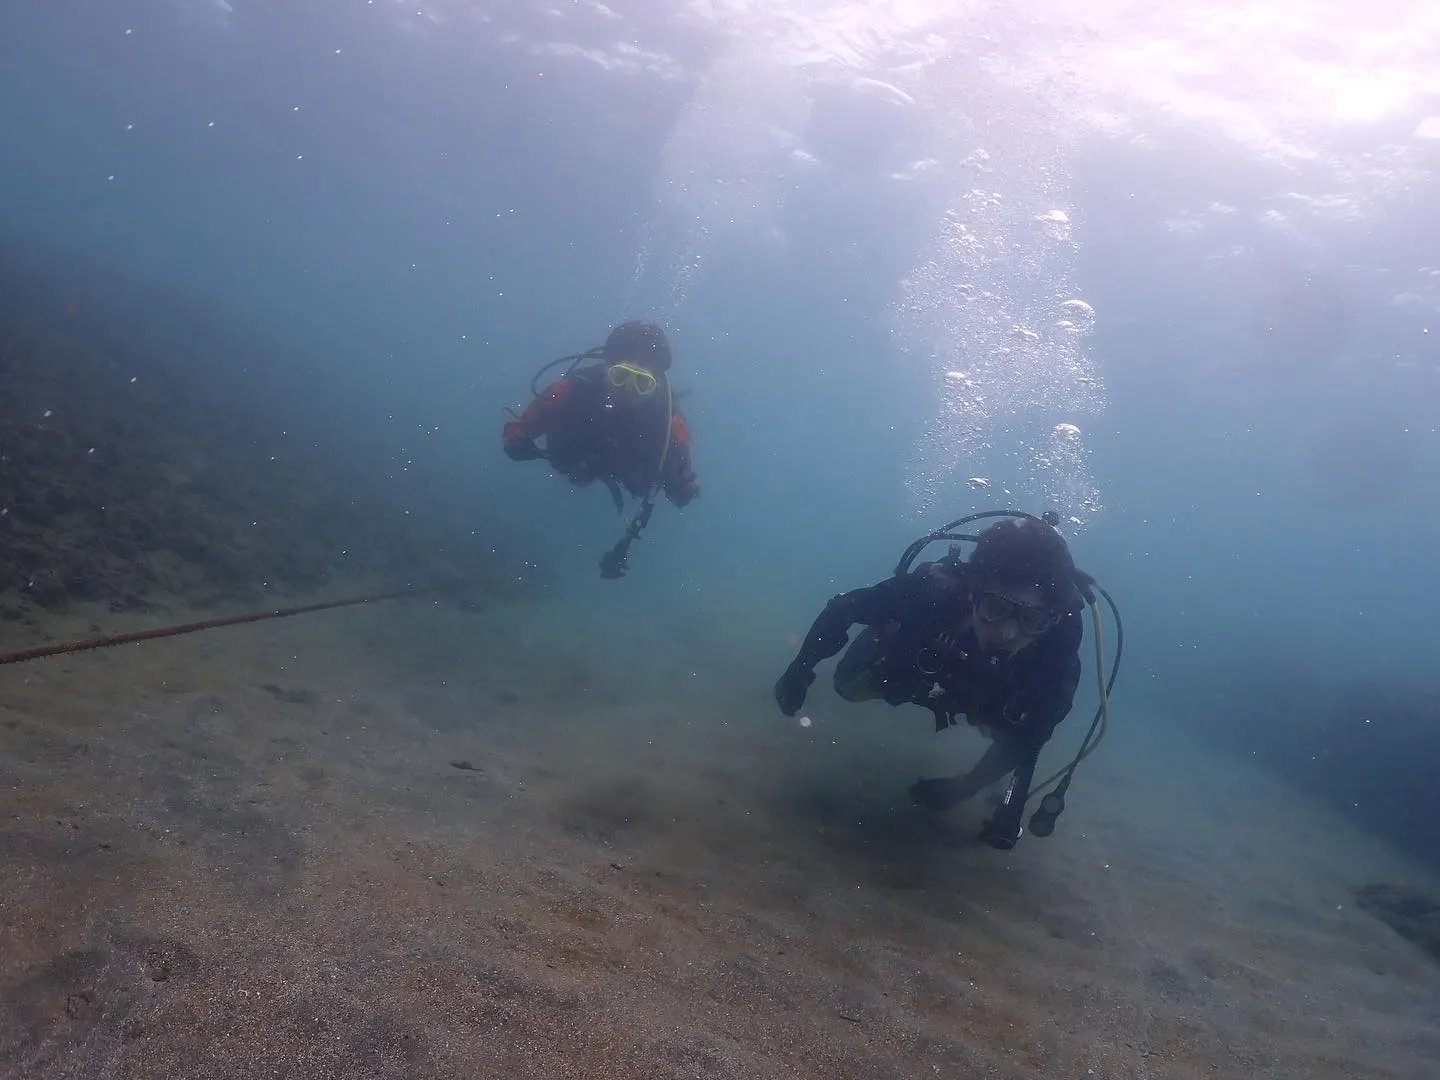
column 412, row 841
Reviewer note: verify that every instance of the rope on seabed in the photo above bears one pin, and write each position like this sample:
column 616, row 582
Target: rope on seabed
column 111, row 640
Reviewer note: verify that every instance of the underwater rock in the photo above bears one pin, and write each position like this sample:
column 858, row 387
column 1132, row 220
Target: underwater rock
column 83, row 582
column 47, row 593
column 128, row 470
column 1363, row 747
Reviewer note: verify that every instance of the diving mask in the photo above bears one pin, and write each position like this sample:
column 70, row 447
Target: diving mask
column 630, row 377
column 991, row 608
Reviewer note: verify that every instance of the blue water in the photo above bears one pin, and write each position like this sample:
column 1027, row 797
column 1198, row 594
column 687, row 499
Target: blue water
column 414, row 205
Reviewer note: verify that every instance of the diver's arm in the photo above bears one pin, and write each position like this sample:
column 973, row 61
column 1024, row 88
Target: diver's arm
column 828, row 635
column 831, row 629
column 1009, row 752
column 1028, row 724
column 1004, row 755
column 540, row 415
column 679, row 477
column 1053, row 676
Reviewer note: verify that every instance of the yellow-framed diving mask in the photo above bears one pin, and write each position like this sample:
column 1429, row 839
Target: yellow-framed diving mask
column 629, row 377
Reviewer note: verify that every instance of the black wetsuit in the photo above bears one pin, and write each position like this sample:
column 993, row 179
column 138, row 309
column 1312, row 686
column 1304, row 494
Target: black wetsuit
column 918, row 649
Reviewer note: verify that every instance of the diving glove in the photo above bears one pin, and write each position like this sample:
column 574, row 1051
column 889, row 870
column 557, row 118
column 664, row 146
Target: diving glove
column 790, row 688
column 523, row 450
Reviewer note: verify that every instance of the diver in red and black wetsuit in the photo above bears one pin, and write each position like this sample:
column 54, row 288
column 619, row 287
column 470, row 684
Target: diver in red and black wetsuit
column 615, row 421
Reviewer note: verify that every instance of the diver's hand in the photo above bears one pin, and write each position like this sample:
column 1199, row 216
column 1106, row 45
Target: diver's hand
column 790, row 688
column 523, row 450
column 684, row 492
column 941, row 793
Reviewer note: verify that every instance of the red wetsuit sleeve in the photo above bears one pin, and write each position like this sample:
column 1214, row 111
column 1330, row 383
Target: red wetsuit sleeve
column 540, row 415
column 679, row 479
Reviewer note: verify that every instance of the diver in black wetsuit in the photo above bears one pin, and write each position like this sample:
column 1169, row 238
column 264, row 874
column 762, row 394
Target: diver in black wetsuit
column 995, row 639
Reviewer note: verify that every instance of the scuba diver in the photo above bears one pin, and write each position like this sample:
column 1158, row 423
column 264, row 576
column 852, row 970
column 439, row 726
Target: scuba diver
column 615, row 421
column 995, row 639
